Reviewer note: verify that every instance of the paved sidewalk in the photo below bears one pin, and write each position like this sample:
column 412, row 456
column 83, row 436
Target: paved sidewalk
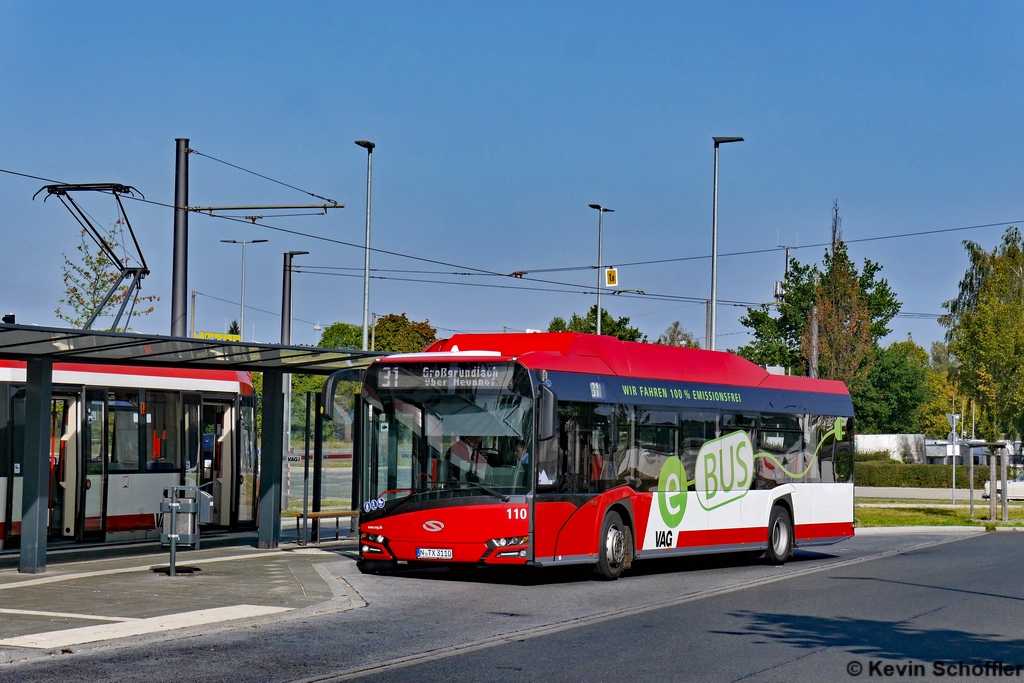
column 128, row 595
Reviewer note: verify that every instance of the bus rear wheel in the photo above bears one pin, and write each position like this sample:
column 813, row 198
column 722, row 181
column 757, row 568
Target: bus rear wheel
column 614, row 552
column 780, row 536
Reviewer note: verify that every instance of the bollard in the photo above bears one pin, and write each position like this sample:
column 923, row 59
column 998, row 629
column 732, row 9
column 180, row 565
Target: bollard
column 173, row 536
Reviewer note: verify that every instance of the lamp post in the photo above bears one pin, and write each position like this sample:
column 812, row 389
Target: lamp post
column 368, row 146
column 601, row 211
column 712, row 327
column 241, row 319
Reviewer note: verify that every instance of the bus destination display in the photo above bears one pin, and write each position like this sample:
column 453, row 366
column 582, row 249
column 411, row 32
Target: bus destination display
column 443, row 376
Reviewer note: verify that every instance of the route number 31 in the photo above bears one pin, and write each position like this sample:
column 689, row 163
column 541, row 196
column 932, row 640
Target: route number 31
column 516, row 513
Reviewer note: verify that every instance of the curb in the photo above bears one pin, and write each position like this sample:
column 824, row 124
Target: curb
column 887, row 530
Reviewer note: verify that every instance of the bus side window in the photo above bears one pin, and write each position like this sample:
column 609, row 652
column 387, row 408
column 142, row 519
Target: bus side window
column 696, row 427
column 765, row 475
column 658, row 437
column 782, row 437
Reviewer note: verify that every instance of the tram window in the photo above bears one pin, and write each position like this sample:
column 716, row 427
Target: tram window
column 163, row 420
column 123, row 431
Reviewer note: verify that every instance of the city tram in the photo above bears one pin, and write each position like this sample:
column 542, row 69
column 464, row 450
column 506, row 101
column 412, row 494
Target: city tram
column 551, row 449
column 119, row 435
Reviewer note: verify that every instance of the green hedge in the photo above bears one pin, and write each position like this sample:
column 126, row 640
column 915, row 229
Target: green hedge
column 893, row 473
column 873, row 456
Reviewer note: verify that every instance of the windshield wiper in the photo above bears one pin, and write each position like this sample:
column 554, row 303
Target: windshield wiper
column 500, row 496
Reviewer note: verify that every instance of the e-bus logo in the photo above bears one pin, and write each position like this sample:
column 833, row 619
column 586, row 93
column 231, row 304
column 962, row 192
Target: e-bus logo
column 672, row 485
column 724, row 469
column 433, row 525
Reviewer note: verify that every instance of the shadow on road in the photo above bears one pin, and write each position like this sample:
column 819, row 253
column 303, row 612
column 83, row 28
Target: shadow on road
column 877, row 639
column 528, row 576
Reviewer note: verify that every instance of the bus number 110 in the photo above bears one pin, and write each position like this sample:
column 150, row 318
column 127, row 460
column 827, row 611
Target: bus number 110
column 517, row 513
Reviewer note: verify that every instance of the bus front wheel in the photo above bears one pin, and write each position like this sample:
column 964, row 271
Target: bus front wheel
column 614, row 551
column 780, row 536
column 376, row 566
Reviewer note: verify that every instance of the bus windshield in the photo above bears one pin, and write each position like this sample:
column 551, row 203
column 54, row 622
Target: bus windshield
column 436, row 430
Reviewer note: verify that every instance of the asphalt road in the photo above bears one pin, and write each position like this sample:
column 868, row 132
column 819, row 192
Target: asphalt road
column 874, row 600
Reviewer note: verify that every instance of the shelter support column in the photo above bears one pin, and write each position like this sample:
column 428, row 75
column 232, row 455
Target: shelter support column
column 35, row 506
column 271, row 452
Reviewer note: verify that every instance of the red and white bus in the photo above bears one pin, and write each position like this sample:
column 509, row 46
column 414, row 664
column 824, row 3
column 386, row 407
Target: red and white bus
column 119, row 435
column 551, row 449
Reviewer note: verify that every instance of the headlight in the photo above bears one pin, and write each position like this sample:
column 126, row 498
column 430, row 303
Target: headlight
column 509, row 540
column 374, row 538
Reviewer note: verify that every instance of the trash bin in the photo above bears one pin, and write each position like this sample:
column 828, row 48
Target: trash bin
column 194, row 507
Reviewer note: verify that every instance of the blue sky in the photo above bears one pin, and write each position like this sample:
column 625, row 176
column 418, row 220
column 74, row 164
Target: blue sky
column 495, row 126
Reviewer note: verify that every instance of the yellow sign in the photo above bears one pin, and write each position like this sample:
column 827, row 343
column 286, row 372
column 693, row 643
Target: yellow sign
column 611, row 277
column 218, row 336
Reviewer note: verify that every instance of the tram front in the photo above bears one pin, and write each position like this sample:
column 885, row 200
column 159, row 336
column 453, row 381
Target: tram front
column 446, row 467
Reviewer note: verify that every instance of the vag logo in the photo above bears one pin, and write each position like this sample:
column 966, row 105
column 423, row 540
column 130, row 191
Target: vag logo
column 724, row 469
column 433, row 525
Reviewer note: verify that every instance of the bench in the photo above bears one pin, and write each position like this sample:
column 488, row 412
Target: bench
column 336, row 514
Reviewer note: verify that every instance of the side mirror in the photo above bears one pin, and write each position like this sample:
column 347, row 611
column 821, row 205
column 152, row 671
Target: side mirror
column 331, row 384
column 547, row 412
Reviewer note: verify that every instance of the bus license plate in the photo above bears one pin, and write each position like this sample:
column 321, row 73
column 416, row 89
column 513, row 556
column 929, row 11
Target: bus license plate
column 433, row 553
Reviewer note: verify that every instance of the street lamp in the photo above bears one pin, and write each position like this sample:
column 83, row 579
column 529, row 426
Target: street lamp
column 368, row 146
column 712, row 327
column 601, row 211
column 241, row 318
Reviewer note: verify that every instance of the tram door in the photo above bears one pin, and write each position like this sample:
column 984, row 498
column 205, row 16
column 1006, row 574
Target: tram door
column 65, row 449
column 247, row 479
column 210, row 438
column 91, row 475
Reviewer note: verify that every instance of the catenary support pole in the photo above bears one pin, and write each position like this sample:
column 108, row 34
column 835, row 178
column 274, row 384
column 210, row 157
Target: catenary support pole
column 318, row 461
column 1006, row 492
column 179, row 272
column 271, row 451
column 992, row 460
column 35, row 500
column 305, row 476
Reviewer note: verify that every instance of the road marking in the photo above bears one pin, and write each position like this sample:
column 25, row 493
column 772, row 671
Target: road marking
column 63, row 615
column 138, row 627
column 539, row 631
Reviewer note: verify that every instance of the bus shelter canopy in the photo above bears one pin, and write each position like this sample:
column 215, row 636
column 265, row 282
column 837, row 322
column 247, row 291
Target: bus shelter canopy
column 41, row 347
column 21, row 342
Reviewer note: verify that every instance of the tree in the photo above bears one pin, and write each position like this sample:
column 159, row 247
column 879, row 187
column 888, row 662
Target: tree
column 397, row 334
column 341, row 335
column 675, row 335
column 610, row 326
column 89, row 279
column 985, row 331
column 889, row 399
column 845, row 340
column 234, row 329
column 779, row 339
